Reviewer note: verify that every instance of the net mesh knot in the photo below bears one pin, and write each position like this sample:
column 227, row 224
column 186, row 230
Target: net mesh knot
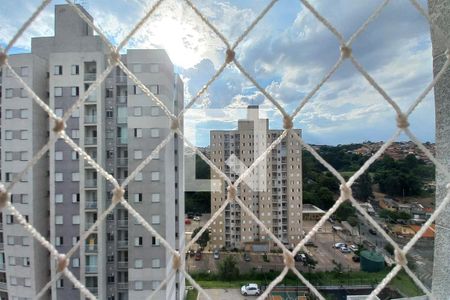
column 346, row 51
column 176, row 264
column 287, row 122
column 62, row 262
column 175, row 124
column 346, row 191
column 288, row 260
column 114, row 57
column 3, row 196
column 3, row 58
column 230, row 56
column 59, row 125
column 400, row 258
column 402, row 121
column 231, row 192
column 118, row 194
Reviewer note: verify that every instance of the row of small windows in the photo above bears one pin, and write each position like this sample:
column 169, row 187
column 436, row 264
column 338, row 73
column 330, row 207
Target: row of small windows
column 74, row 70
column 10, row 156
column 19, row 261
column 16, row 134
column 59, row 220
column 9, row 93
column 59, row 177
column 20, row 281
column 16, row 113
column 59, row 241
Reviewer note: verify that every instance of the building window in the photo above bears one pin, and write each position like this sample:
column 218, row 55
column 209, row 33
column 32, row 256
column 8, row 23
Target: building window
column 24, row 198
column 25, row 241
column 24, row 113
column 76, row 177
column 137, row 154
column 8, row 135
column 154, row 88
column 137, row 111
column 59, row 177
column 75, row 198
column 138, row 285
column 138, row 197
column 9, row 219
column 9, row 93
column 9, row 114
column 138, row 241
column 58, row 91
column 75, row 91
column 154, row 132
column 138, row 132
column 75, row 155
column 13, row 280
column 76, row 113
column 58, row 70
column 156, row 263
column 59, row 220
column 12, row 260
column 75, row 70
column 59, row 241
column 8, row 156
column 60, row 283
column 137, row 68
column 155, row 176
column 26, row 262
column 23, row 93
column 75, row 219
column 137, row 90
column 109, row 114
column 59, row 112
column 138, row 176
column 59, row 198
column 154, row 111
column 23, row 134
column 59, row 155
column 154, row 68
column 138, row 263
column 24, row 71
column 75, row 240
column 156, row 197
column 155, row 241
column 75, row 262
column 23, row 155
column 11, row 240
column 156, row 219
column 75, row 134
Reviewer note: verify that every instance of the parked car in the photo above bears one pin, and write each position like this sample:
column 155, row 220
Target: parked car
column 187, row 221
column 356, row 258
column 190, row 215
column 372, row 231
column 246, row 257
column 216, row 254
column 250, row 289
column 345, row 250
column 196, row 218
column 354, row 248
column 198, row 255
column 191, row 252
column 339, row 245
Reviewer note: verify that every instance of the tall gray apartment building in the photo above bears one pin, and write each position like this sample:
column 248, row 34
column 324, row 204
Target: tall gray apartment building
column 62, row 195
column 273, row 193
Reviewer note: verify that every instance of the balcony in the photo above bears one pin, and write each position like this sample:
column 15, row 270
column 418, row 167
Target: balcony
column 90, row 76
column 90, row 140
column 122, row 244
column 92, row 98
column 91, row 269
column 122, row 120
column 122, row 285
column 122, row 264
column 121, row 78
column 89, row 224
column 91, row 204
column 3, row 286
column 1, row 246
column 122, row 99
column 91, row 248
column 122, row 161
column 90, row 183
column 122, row 223
column 90, row 119
column 2, row 266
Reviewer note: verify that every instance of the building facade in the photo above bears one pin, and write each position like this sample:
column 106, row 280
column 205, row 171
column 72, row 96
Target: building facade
column 62, row 196
column 273, row 192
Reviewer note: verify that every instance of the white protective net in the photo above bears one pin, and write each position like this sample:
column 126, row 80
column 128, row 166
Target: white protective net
column 177, row 262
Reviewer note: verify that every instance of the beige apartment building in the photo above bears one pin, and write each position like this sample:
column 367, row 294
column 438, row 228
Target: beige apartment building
column 273, row 192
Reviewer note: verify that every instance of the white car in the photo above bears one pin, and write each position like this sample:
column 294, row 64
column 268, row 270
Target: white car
column 250, row 289
column 354, row 248
column 345, row 250
column 339, row 245
column 196, row 218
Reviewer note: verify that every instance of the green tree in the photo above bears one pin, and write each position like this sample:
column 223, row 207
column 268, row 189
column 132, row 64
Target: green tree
column 228, row 268
column 345, row 211
column 362, row 188
column 389, row 249
column 198, row 202
column 203, row 239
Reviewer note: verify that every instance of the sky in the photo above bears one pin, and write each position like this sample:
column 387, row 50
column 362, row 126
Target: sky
column 287, row 53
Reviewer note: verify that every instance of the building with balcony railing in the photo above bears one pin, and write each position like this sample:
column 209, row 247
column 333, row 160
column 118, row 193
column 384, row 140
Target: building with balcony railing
column 117, row 126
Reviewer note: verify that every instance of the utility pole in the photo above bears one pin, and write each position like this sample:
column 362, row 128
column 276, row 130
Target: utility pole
column 439, row 11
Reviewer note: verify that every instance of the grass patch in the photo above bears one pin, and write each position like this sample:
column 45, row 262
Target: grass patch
column 192, row 294
column 405, row 285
